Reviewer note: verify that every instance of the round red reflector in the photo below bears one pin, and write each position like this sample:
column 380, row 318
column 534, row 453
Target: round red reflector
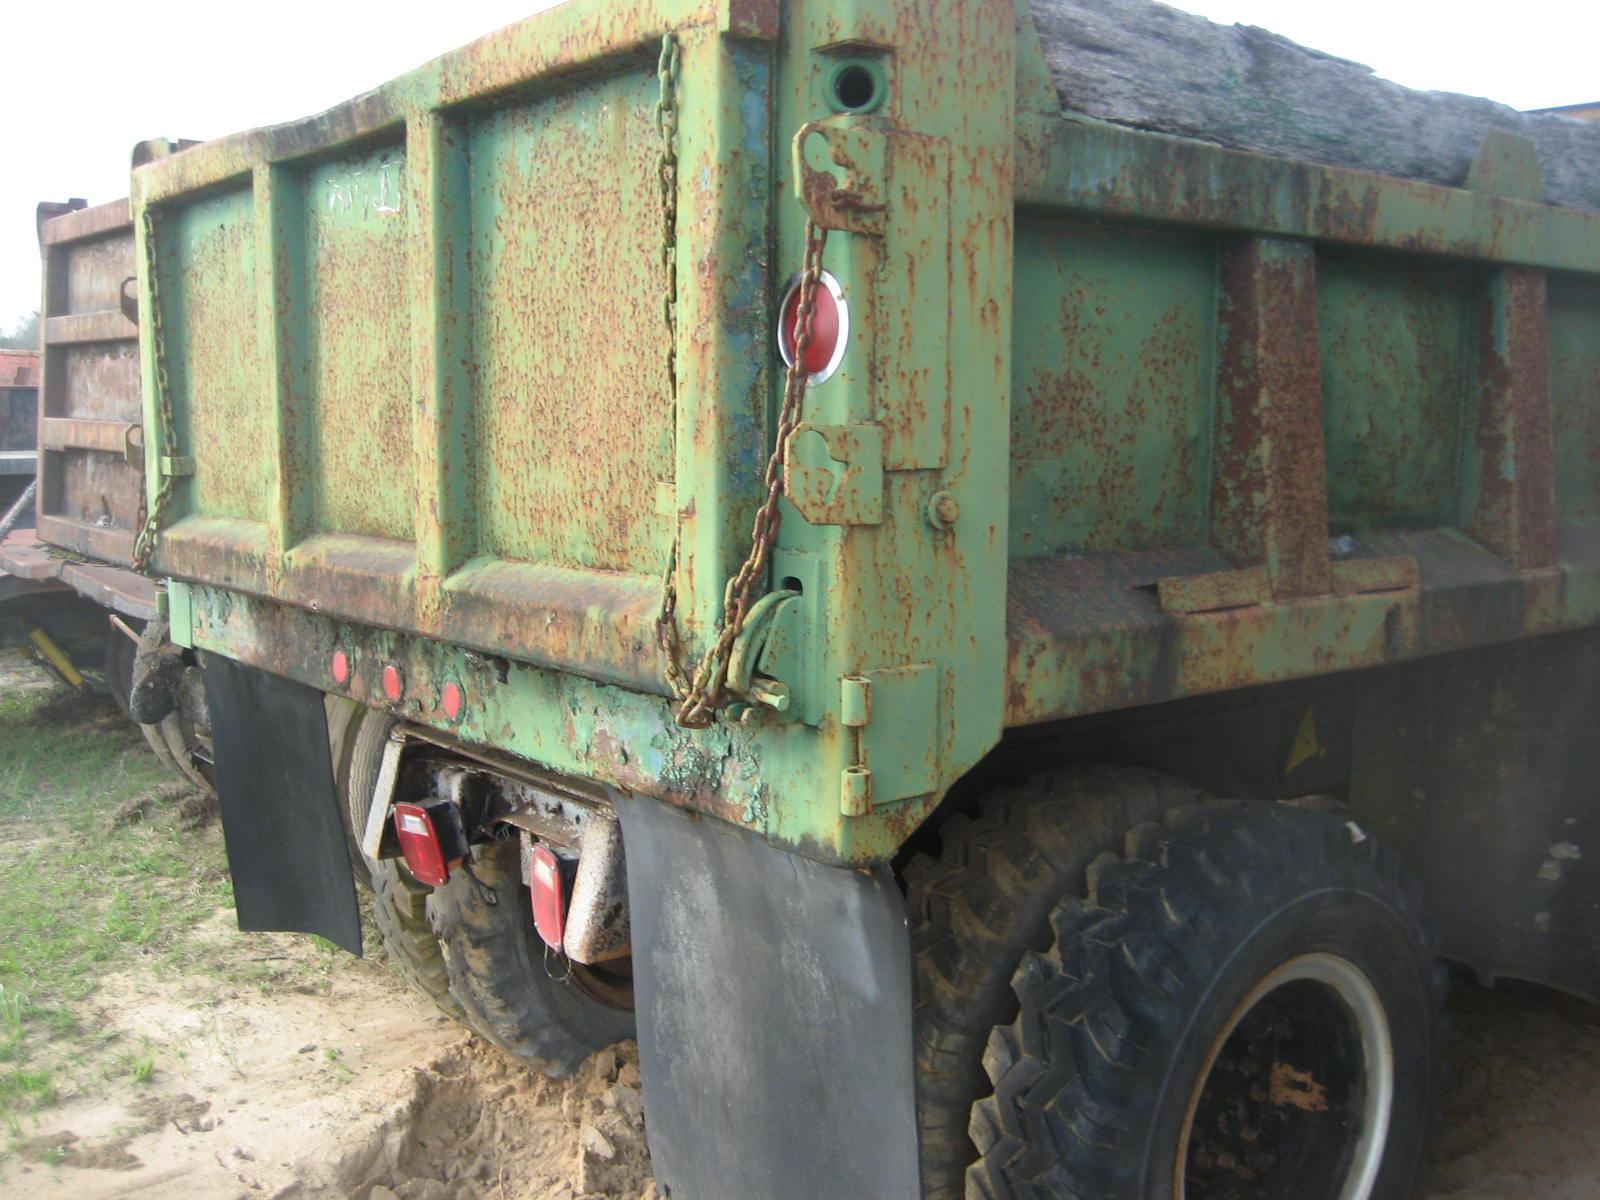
column 452, row 699
column 393, row 682
column 341, row 667
column 830, row 327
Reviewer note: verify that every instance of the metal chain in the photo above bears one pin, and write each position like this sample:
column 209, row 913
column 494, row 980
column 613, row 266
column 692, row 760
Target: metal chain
column 150, row 521
column 697, row 709
column 667, row 173
column 699, row 698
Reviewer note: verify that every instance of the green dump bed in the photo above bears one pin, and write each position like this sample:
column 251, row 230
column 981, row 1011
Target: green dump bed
column 446, row 380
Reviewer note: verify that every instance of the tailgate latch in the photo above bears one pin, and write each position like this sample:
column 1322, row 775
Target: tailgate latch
column 855, row 204
column 834, row 473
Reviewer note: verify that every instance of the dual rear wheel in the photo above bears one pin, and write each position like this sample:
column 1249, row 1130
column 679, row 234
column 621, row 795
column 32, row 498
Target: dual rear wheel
column 470, row 946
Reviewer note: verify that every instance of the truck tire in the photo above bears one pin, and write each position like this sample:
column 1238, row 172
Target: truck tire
column 542, row 1009
column 981, row 904
column 169, row 739
column 1245, row 1005
column 344, row 722
column 399, row 902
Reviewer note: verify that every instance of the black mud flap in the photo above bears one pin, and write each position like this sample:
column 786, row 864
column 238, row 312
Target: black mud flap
column 280, row 813
column 774, row 1006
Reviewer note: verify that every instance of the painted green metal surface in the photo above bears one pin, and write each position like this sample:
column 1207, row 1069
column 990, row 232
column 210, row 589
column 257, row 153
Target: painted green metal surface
column 1123, row 418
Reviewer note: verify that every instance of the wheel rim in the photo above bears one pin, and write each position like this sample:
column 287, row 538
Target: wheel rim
column 1296, row 1091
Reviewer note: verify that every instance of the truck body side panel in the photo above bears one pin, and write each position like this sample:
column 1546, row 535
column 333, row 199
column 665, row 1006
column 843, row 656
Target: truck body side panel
column 1218, row 420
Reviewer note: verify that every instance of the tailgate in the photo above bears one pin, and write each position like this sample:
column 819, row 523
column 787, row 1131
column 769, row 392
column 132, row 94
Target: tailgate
column 89, row 434
column 410, row 357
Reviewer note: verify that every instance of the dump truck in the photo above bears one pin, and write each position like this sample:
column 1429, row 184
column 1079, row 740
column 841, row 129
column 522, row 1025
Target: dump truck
column 1008, row 647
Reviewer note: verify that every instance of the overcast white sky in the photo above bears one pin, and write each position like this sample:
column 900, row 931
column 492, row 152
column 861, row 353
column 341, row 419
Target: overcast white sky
column 83, row 80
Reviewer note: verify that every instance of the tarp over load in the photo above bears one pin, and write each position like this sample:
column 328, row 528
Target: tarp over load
column 1139, row 63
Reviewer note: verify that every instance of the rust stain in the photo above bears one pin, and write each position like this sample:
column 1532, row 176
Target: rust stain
column 1294, row 1088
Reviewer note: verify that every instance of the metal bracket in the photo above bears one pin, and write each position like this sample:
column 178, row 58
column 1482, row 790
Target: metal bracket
column 834, row 473
column 751, row 644
column 372, row 836
column 133, row 446
column 856, row 204
column 1507, row 164
column 177, row 464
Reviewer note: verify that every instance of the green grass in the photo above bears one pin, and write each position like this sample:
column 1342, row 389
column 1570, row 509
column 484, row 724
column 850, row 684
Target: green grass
column 82, row 894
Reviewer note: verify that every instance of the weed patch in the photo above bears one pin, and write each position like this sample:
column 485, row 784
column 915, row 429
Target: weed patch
column 101, row 864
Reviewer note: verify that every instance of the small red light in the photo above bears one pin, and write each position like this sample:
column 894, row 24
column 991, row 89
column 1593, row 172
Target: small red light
column 829, row 327
column 341, row 667
column 452, row 699
column 393, row 683
column 419, row 842
column 549, row 896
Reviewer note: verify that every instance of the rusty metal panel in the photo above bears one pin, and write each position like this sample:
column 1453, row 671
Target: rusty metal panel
column 358, row 340
column 566, row 318
column 1396, row 367
column 415, row 348
column 1111, row 401
column 208, row 259
column 90, row 481
column 1574, row 331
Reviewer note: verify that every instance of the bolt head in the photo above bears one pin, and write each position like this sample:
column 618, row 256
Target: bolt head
column 943, row 510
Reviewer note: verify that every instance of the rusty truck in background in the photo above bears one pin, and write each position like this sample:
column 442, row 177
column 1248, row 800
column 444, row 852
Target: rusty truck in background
column 67, row 576
column 1007, row 648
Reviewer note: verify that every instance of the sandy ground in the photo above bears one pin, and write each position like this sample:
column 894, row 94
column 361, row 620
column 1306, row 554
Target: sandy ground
column 359, row 1091
column 369, row 1093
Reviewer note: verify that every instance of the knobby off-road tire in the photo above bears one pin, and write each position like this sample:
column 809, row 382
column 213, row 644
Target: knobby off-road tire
column 399, row 902
column 1244, row 1005
column 534, row 1006
column 981, row 905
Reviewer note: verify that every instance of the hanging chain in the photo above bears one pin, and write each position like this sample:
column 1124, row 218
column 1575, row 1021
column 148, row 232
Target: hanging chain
column 150, row 521
column 748, row 583
column 667, row 174
column 699, row 698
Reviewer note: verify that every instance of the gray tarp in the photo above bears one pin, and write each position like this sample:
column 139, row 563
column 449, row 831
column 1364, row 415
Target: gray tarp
column 1139, row 63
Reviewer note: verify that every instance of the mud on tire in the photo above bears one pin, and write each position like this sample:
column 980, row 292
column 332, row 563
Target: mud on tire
column 1240, row 1003
column 533, row 1006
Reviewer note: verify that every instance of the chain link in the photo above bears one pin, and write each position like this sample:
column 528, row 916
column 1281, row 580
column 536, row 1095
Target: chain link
column 667, row 637
column 150, row 521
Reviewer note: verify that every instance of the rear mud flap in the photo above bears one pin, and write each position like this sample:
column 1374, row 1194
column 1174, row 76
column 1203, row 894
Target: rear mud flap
column 774, row 1007
column 280, row 814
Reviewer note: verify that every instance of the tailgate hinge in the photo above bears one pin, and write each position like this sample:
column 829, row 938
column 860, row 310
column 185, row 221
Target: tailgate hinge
column 894, row 722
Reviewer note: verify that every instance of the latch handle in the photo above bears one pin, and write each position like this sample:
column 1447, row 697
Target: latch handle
column 857, row 205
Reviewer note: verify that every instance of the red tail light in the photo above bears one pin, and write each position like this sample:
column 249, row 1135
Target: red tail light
column 830, row 327
column 549, row 896
column 431, row 839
